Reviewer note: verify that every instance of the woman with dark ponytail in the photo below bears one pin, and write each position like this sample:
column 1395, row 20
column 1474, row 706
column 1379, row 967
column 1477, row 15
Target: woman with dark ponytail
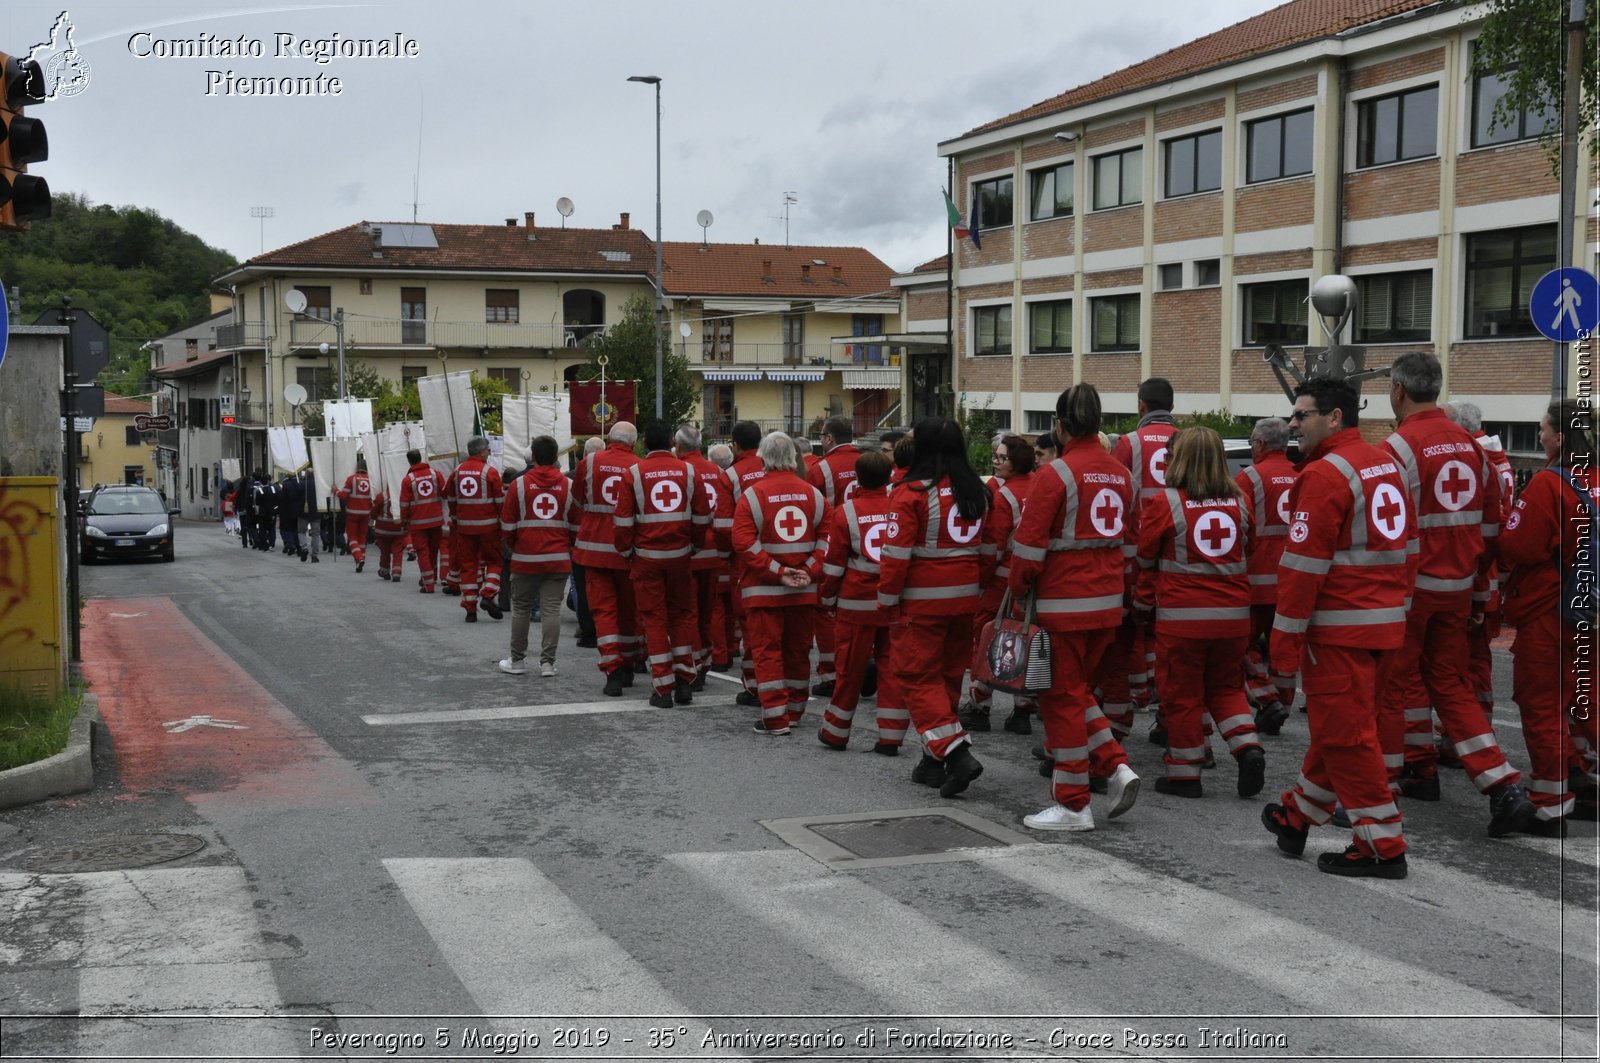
column 936, row 521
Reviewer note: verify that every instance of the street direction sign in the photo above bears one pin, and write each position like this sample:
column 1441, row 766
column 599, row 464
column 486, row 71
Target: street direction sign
column 148, row 422
column 1565, row 304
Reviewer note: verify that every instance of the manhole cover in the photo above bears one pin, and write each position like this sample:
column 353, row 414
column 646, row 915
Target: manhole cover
column 881, row 839
column 111, row 854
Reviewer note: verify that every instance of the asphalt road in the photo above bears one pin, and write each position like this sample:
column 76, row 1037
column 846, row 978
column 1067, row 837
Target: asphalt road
column 392, row 870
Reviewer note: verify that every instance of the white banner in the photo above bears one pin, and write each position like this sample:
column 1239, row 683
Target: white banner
column 526, row 416
column 392, row 467
column 288, row 448
column 332, row 460
column 403, row 436
column 349, row 419
column 230, row 470
column 449, row 413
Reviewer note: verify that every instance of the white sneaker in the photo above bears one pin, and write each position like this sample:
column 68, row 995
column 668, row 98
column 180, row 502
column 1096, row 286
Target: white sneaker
column 1060, row 817
column 1122, row 790
column 547, row 670
column 511, row 667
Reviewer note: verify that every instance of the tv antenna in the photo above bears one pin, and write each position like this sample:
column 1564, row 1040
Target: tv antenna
column 564, row 208
column 704, row 220
column 789, row 198
column 416, row 179
column 263, row 213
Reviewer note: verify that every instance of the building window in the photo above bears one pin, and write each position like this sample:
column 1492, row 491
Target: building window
column 1502, row 268
column 866, row 325
column 1207, row 272
column 1001, row 419
column 794, row 408
column 1275, row 313
column 794, row 339
column 1279, row 146
column 413, row 315
column 205, row 483
column 500, row 305
column 1402, row 126
column 993, row 327
column 197, row 414
column 1051, row 326
column 1193, row 164
column 130, row 436
column 366, row 285
column 994, row 202
column 410, row 374
column 1395, row 307
column 318, row 380
column 1051, row 192
column 1115, row 321
column 1170, row 276
column 1119, row 179
column 509, row 375
column 716, row 339
column 319, row 302
column 191, row 349
column 1487, row 91
column 1038, row 420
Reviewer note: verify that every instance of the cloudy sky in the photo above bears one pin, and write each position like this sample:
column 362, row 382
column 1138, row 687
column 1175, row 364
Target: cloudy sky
column 514, row 105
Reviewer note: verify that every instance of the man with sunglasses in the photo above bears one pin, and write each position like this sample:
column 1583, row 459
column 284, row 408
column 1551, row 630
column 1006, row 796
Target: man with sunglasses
column 1342, row 589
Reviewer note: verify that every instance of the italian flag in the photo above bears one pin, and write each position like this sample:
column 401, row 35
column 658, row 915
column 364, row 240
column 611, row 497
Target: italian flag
column 957, row 226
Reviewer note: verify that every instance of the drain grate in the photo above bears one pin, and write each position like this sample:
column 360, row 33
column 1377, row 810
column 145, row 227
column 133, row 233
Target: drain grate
column 880, row 839
column 111, row 854
column 887, row 838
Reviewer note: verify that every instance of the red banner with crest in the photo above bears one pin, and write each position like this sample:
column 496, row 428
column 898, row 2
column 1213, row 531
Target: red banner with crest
column 593, row 417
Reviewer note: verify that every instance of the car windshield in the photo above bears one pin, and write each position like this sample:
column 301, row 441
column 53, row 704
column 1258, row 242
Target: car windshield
column 135, row 502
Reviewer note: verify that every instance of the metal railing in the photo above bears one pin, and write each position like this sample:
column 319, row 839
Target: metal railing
column 230, row 337
column 249, row 413
column 781, row 355
column 395, row 332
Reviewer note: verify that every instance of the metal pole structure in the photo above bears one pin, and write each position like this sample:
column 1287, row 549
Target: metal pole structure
column 1570, row 105
column 651, row 79
column 69, row 484
column 338, row 327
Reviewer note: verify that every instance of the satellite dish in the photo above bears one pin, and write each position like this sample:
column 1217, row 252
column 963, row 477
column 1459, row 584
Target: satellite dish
column 294, row 394
column 684, row 330
column 295, row 300
column 564, row 207
column 704, row 219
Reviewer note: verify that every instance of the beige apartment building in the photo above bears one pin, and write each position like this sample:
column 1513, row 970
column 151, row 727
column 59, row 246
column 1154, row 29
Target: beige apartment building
column 1169, row 219
column 114, row 451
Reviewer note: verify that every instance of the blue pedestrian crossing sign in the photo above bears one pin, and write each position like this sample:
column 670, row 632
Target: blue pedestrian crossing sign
column 1565, row 304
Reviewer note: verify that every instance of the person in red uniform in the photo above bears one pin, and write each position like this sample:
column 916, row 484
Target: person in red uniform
column 390, row 534
column 1544, row 531
column 356, row 494
column 422, row 514
column 538, row 523
column 725, row 631
column 1143, row 452
column 1486, row 596
column 1068, row 553
column 661, row 517
column 596, row 486
column 1194, row 538
column 745, row 471
column 1342, row 590
column 1013, row 471
column 779, row 536
column 834, row 474
column 474, row 494
column 710, row 558
column 1264, row 484
column 850, row 585
column 1455, row 500
column 930, row 579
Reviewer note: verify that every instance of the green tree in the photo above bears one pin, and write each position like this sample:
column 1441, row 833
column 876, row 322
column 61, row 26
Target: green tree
column 629, row 346
column 1524, row 43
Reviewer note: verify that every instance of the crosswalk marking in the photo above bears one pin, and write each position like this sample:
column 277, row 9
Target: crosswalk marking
column 1318, row 971
column 519, row 945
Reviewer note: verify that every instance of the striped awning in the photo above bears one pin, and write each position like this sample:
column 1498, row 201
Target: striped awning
column 872, row 379
column 729, row 374
column 796, row 376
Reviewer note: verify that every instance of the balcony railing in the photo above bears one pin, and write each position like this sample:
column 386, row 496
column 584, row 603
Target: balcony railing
column 232, row 337
column 394, row 332
column 249, row 413
column 777, row 355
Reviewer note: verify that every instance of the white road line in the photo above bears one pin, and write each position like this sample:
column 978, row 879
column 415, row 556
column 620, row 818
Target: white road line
column 735, row 680
column 516, row 712
column 520, row 946
column 1319, row 971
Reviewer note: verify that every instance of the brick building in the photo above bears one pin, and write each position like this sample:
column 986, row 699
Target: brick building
column 1169, row 219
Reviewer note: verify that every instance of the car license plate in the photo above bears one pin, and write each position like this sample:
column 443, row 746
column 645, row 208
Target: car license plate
column 124, row 542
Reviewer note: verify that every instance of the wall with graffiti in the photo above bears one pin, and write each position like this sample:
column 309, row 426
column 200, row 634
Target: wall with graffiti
column 32, row 619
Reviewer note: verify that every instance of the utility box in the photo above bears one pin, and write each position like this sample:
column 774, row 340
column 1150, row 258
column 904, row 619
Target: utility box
column 32, row 632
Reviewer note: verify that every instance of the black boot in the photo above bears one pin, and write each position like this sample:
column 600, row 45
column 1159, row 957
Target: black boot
column 961, row 768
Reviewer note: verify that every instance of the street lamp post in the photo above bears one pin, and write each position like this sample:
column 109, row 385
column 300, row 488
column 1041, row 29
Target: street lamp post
column 651, row 79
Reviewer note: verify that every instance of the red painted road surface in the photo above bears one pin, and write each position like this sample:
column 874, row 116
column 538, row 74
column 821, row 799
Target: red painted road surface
column 153, row 670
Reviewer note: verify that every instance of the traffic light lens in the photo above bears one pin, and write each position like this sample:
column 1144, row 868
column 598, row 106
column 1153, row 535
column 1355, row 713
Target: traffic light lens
column 26, row 195
column 24, row 82
column 27, row 140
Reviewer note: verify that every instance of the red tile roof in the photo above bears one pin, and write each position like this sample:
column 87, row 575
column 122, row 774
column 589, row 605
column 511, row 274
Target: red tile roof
column 1289, row 24
column 755, row 270
column 475, row 247
column 127, row 404
column 933, row 265
column 187, row 367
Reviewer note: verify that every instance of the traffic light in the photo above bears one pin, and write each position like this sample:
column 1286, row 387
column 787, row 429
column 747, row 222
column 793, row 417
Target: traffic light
column 23, row 196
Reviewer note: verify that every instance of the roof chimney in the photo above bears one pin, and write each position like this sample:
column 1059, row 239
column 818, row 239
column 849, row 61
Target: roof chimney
column 377, row 242
column 838, row 271
column 766, row 267
column 527, row 220
column 511, row 223
column 624, row 222
column 805, row 273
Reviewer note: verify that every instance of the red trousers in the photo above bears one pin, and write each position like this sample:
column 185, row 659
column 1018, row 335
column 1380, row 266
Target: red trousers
column 1203, row 676
column 426, row 541
column 826, row 646
column 1545, row 662
column 1436, row 646
column 1077, row 733
column 781, row 640
column 391, row 555
column 928, row 656
column 1110, row 675
column 452, row 552
column 855, row 645
column 479, row 553
column 611, row 604
column 1260, row 684
column 1344, row 764
column 725, row 627
column 708, row 643
column 355, row 534
column 663, row 600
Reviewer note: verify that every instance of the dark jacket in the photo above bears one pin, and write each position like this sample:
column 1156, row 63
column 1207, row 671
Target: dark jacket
column 291, row 499
column 266, row 498
column 308, row 489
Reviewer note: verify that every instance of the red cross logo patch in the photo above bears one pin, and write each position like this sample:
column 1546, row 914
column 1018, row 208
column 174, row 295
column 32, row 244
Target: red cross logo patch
column 1215, row 533
column 608, row 489
column 872, row 542
column 1105, row 513
column 790, row 524
column 666, row 496
column 1388, row 512
column 544, row 505
column 961, row 531
column 1158, row 466
column 1454, row 486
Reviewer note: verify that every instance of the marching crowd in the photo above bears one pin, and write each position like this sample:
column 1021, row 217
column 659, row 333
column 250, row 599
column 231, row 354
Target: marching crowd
column 1371, row 577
